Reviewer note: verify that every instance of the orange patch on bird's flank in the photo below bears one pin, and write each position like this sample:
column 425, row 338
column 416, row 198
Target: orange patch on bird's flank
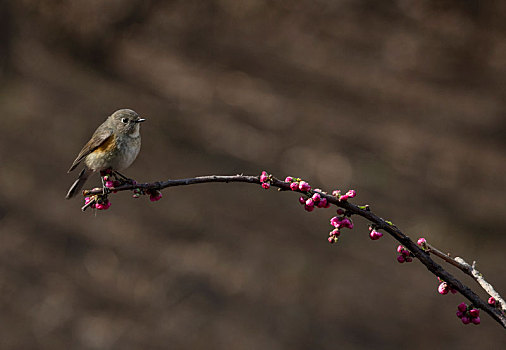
column 107, row 145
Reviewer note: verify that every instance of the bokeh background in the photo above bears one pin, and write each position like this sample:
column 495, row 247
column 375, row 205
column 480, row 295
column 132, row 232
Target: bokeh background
column 403, row 101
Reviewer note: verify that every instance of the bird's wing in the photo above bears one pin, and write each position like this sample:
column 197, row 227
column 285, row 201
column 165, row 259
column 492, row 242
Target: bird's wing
column 100, row 136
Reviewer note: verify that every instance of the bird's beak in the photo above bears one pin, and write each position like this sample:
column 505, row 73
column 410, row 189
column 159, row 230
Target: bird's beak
column 140, row 120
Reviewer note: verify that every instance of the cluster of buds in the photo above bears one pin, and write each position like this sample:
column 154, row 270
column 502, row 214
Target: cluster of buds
column 344, row 197
column 339, row 221
column 154, row 195
column 110, row 183
column 374, row 234
column 468, row 314
column 444, row 288
column 100, row 202
column 298, row 184
column 404, row 255
column 265, row 180
column 315, row 201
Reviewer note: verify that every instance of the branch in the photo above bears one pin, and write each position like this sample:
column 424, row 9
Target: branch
column 351, row 209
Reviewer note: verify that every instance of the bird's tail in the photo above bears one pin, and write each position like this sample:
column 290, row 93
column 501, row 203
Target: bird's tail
column 78, row 184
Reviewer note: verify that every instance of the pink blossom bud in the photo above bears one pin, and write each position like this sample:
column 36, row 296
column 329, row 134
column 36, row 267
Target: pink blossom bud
column 340, row 211
column 316, row 197
column 99, row 206
column 465, row 320
column 335, row 232
column 309, row 207
column 460, row 314
column 405, row 252
column 409, row 259
column 304, row 186
column 443, row 288
column 474, row 312
column 400, row 258
column 421, row 241
column 476, row 320
column 109, row 184
column 294, row 186
column 346, row 222
column 400, row 248
column 336, row 193
column 266, row 185
column 335, row 221
column 302, row 200
column 344, row 197
column 491, row 301
column 462, row 307
column 327, row 204
column 263, row 178
column 374, row 235
column 156, row 196
column 264, row 172
column 331, row 240
column 351, row 193
column 310, row 202
column 288, row 179
column 322, row 203
column 87, row 200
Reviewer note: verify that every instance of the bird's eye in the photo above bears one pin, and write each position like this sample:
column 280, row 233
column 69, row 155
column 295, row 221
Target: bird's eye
column 124, row 120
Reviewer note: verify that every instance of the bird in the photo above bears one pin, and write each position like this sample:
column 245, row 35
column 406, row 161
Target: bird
column 114, row 146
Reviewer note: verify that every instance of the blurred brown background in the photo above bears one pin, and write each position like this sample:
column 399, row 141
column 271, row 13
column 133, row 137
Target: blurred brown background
column 403, row 101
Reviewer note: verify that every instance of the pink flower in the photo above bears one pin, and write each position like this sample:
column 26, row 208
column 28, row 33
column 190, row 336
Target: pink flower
column 346, row 222
column 288, row 179
column 266, row 185
column 109, row 184
column 331, row 240
column 405, row 252
column 322, row 203
column 344, row 197
column 476, row 320
column 421, row 241
column 302, row 200
column 310, row 202
column 400, row 248
column 351, row 193
column 304, row 186
column 316, row 197
column 400, row 258
column 335, row 221
column 87, row 200
column 465, row 320
column 336, row 193
column 443, row 288
column 491, row 301
column 309, row 207
column 263, row 177
column 374, row 235
column 327, row 204
column 460, row 314
column 294, row 186
column 462, row 307
column 474, row 312
column 340, row 211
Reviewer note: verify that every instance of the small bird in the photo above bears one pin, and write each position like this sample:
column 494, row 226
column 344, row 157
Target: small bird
column 114, row 145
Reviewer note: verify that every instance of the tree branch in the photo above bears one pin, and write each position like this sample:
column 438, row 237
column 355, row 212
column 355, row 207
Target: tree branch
column 351, row 209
